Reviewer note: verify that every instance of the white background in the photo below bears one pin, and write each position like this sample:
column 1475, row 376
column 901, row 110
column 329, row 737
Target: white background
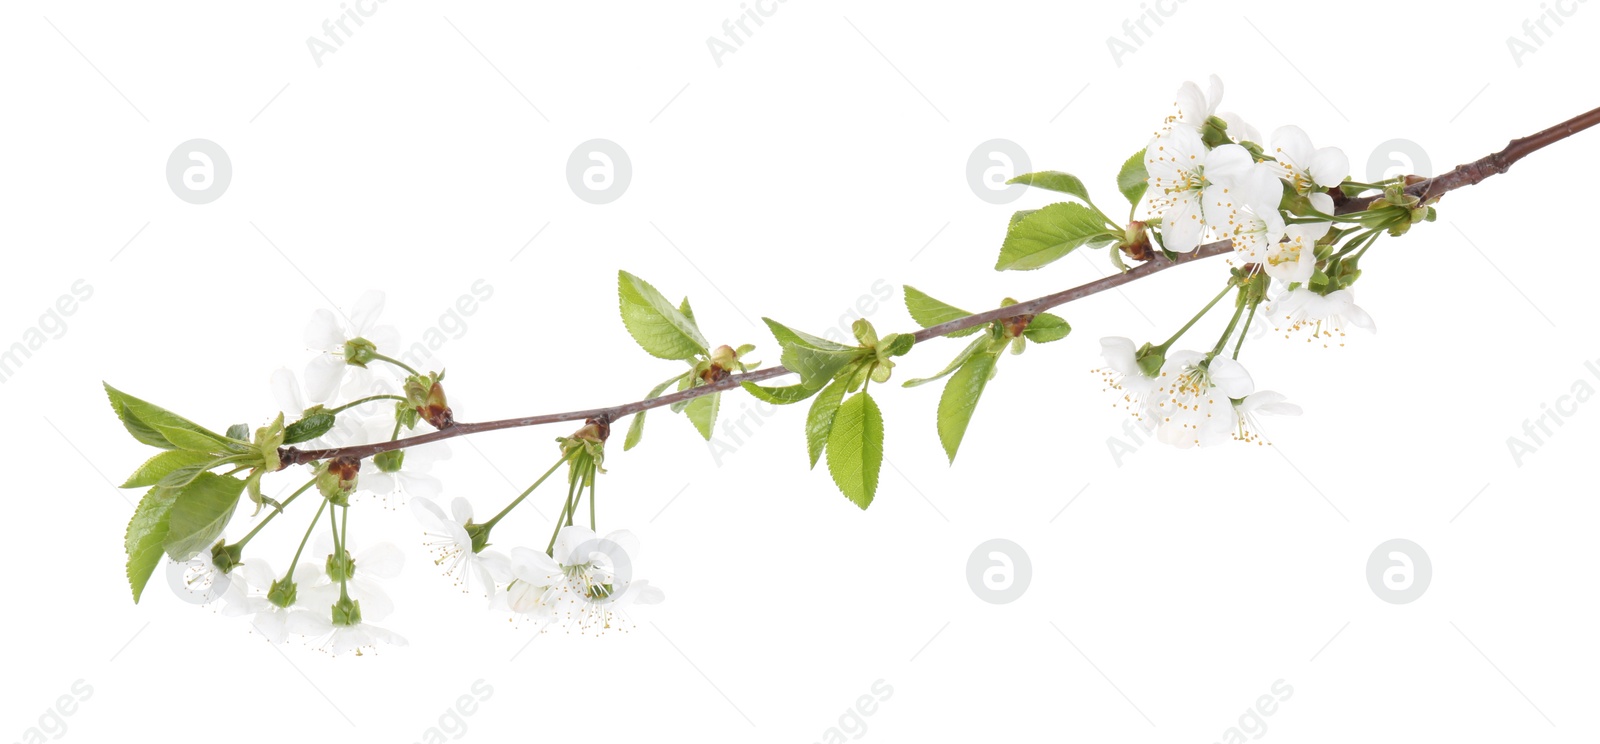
column 1169, row 590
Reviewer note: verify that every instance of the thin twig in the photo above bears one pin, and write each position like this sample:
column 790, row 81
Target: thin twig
column 1459, row 177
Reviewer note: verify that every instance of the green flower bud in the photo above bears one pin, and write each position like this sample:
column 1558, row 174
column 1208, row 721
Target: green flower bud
column 359, row 351
column 340, row 567
column 226, row 557
column 336, row 480
column 283, row 592
column 346, row 612
column 389, row 462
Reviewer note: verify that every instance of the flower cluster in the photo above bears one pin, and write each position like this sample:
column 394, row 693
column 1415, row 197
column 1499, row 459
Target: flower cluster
column 1211, row 177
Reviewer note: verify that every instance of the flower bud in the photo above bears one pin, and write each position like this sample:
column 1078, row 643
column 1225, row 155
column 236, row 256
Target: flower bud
column 340, row 566
column 389, row 462
column 346, row 612
column 283, row 592
column 359, row 351
column 226, row 557
column 425, row 393
column 336, row 480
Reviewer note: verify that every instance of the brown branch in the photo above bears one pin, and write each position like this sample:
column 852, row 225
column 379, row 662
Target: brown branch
column 1459, row 177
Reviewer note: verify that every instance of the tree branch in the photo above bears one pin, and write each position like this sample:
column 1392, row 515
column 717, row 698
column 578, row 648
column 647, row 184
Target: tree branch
column 1459, row 177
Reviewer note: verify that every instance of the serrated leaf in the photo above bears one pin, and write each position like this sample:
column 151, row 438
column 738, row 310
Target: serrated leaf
column 145, row 421
column 1020, row 215
column 659, row 328
column 819, row 420
column 199, row 514
column 688, row 312
column 815, row 359
column 636, row 427
column 702, row 412
column 195, row 441
column 159, row 467
column 141, row 431
column 955, row 364
column 145, row 536
column 1050, row 233
column 1065, row 183
column 855, row 449
column 1133, row 179
column 791, row 337
column 929, row 312
column 309, row 427
column 960, row 399
column 1046, row 328
column 780, row 396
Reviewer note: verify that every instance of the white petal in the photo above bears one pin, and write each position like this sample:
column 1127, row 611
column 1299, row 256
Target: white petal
column 461, row 509
column 1292, row 146
column 627, row 542
column 324, row 333
column 419, row 484
column 1214, row 94
column 323, row 374
column 310, row 623
column 1231, row 378
column 497, row 564
column 1119, row 354
column 383, row 561
column 365, row 315
column 1329, row 167
column 286, row 393
column 375, row 602
column 429, row 514
column 1191, row 104
column 1181, row 227
column 570, row 541
column 533, row 567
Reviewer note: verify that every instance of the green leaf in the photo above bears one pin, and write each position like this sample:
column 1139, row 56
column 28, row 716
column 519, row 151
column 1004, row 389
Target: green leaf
column 1049, row 234
column 196, row 441
column 960, row 399
column 855, row 449
column 1020, row 215
column 660, row 329
column 780, row 396
column 955, row 364
column 819, row 420
column 141, row 431
column 1065, row 183
column 1132, row 179
column 1046, row 328
column 156, row 468
column 147, row 421
column 702, row 412
column 308, row 428
column 688, row 312
column 636, row 428
column 815, row 359
column 147, row 532
column 929, row 312
column 199, row 514
column 239, row 431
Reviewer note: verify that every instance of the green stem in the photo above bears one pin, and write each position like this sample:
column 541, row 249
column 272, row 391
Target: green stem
column 503, row 512
column 344, row 539
column 566, row 511
column 368, row 399
column 1247, row 321
column 314, row 519
column 1228, row 332
column 395, row 362
column 592, row 481
column 274, row 513
column 1197, row 317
